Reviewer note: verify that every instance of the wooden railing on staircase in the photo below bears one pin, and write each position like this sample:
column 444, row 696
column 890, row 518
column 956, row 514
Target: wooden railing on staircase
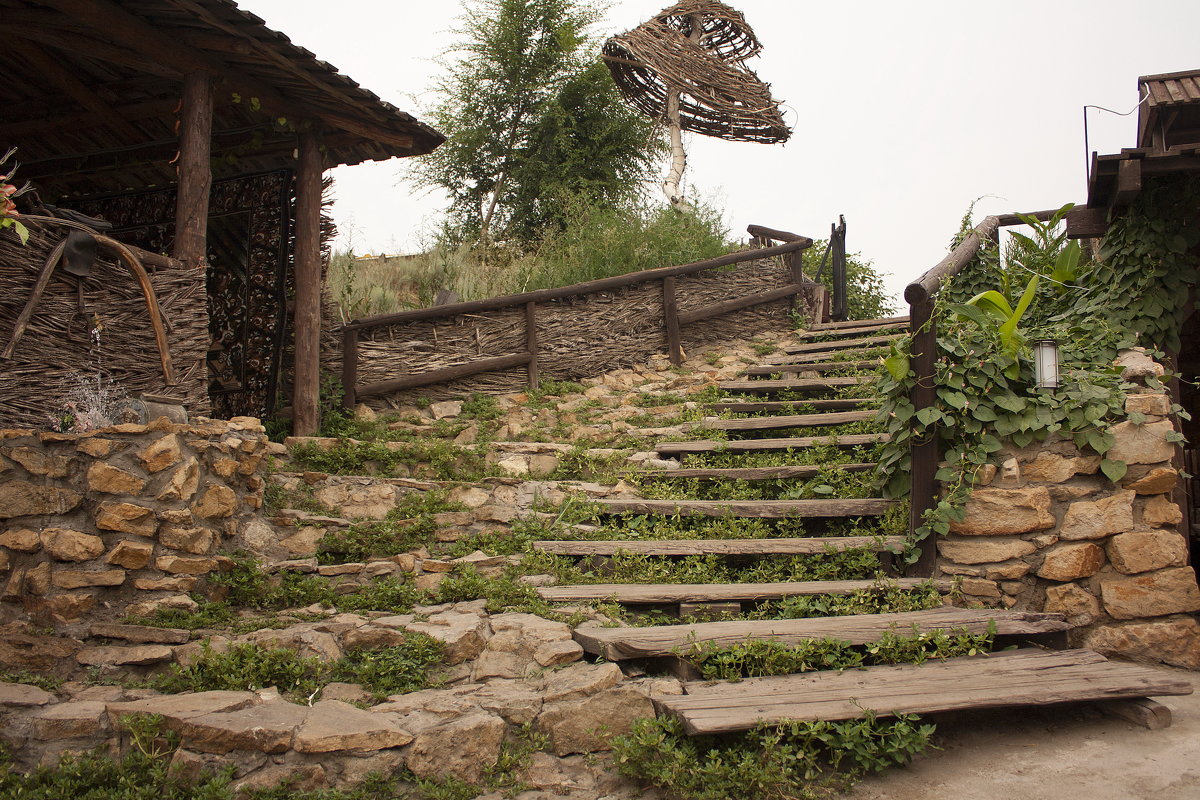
column 921, row 295
column 791, row 249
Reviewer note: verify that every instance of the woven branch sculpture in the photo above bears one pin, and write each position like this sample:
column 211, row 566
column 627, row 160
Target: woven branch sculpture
column 686, row 67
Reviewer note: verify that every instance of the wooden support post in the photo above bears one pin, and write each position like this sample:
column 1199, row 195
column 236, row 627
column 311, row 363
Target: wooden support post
column 531, row 343
column 922, row 496
column 671, row 317
column 306, row 419
column 349, row 368
column 195, row 174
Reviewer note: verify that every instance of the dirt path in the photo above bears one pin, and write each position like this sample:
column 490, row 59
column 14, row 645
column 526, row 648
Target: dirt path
column 1065, row 754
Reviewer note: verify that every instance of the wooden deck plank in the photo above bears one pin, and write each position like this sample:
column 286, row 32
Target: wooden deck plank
column 753, row 473
column 769, row 406
column 752, row 445
column 787, row 421
column 841, row 344
column 859, row 331
column 795, row 384
column 617, row 644
column 1018, row 678
column 697, row 547
column 820, row 366
column 756, row 509
column 859, row 323
column 665, row 593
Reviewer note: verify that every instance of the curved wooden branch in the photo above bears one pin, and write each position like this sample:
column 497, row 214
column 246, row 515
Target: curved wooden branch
column 39, row 288
column 156, row 317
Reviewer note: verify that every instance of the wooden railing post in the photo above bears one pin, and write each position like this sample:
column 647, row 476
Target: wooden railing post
column 924, row 453
column 671, row 317
column 349, row 367
column 531, row 343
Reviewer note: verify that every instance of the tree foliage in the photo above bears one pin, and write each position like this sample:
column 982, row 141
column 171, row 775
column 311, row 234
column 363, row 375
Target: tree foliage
column 531, row 118
column 866, row 296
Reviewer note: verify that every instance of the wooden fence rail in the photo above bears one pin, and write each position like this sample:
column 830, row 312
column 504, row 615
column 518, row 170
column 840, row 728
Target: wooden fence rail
column 921, row 295
column 791, row 249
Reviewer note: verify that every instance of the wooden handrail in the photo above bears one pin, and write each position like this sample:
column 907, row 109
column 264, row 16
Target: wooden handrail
column 920, row 295
column 588, row 287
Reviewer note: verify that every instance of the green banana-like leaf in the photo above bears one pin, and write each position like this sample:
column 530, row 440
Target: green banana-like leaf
column 993, row 303
column 1009, row 337
column 1066, row 265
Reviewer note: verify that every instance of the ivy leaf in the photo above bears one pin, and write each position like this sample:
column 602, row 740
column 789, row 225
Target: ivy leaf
column 990, row 443
column 1175, row 436
column 823, row 488
column 897, row 367
column 1137, row 418
column 1099, row 440
column 1178, row 244
column 1010, row 402
column 927, row 416
column 1113, row 470
column 956, row 400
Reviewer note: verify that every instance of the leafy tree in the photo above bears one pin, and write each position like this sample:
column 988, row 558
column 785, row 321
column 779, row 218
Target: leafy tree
column 866, row 296
column 531, row 117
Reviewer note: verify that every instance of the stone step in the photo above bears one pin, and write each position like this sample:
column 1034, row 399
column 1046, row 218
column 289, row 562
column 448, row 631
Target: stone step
column 1026, row 677
column 753, row 509
column 696, row 547
column 671, row 593
column 618, row 644
column 788, row 421
column 751, row 445
column 794, row 384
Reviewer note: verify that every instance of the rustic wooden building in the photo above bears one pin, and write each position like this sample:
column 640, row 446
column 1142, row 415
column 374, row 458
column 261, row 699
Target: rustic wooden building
column 200, row 133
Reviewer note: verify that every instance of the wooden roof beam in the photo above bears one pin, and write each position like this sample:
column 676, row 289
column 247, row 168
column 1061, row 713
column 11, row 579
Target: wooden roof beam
column 84, row 45
column 129, row 113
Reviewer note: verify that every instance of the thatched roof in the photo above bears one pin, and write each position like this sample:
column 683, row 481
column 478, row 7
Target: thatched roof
column 91, row 89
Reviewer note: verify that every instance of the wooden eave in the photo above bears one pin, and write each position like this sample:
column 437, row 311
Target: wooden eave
column 1118, row 178
column 1170, row 112
column 92, row 87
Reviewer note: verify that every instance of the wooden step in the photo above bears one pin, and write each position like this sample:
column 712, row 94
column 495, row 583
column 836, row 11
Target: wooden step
column 668, row 593
column 755, row 509
column 859, row 323
column 618, row 644
column 824, row 366
column 751, row 445
column 795, row 384
column 753, row 473
column 724, row 547
column 809, row 358
column 789, row 421
column 841, row 333
column 840, row 344
column 1017, row 678
column 771, row 406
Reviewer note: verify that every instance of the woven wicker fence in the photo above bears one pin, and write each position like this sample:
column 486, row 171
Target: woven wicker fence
column 505, row 343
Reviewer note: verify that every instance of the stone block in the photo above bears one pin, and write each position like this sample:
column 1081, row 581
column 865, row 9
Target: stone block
column 1152, row 405
column 1070, row 562
column 1142, row 444
column 67, row 545
column 1160, row 510
column 80, row 578
column 183, row 482
column 37, row 579
column 126, row 518
column 39, row 462
column 1076, row 603
column 108, row 479
column 96, row 447
column 1153, row 594
column 1095, row 519
column 588, row 725
column 371, row 500
column 139, row 634
column 984, row 551
column 332, row 725
column 139, row 656
column 161, row 453
column 182, row 583
column 70, row 721
column 198, row 541
column 22, row 540
column 446, row 409
column 20, row 695
column 24, row 499
column 1000, row 512
column 266, row 728
column 1143, row 551
column 1158, row 480
column 979, row 587
column 461, row 748
column 553, row 654
column 1169, row 641
column 217, row 502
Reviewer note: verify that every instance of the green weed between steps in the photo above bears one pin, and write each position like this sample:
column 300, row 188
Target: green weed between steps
column 436, row 459
column 144, row 772
column 411, row 524
column 793, row 761
column 244, row 666
column 831, row 482
column 764, row 657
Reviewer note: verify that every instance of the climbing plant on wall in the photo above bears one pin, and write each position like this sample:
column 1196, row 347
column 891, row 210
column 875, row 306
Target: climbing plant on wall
column 1135, row 294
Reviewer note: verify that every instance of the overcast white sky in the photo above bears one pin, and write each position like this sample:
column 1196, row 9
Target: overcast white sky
column 904, row 112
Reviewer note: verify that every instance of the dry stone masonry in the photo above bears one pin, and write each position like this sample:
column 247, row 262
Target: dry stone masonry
column 1048, row 532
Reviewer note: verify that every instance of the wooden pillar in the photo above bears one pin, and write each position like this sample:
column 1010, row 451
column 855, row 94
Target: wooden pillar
column 671, row 318
column 924, row 450
column 195, row 173
column 531, row 344
column 306, row 417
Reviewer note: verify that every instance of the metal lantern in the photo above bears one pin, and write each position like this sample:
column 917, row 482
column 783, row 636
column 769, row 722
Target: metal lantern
column 1045, row 363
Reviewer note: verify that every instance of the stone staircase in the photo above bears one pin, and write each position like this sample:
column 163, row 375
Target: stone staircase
column 824, row 373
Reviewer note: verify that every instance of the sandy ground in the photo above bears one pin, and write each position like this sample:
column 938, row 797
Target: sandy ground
column 1064, row 753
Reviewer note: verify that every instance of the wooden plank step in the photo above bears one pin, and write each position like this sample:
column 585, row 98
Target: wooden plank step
column 1017, row 678
column 788, row 421
column 667, row 593
column 863, row 330
column 824, row 366
column 751, row 445
column 840, row 344
column 859, row 323
column 808, row 358
column 618, row 644
column 769, row 406
column 795, row 384
column 753, row 473
column 724, row 547
column 756, row 509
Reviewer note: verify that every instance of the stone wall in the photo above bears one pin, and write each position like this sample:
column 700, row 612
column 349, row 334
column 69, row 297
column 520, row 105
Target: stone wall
column 124, row 519
column 1046, row 531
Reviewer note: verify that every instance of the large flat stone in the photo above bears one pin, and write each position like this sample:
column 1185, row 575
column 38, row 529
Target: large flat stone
column 24, row 499
column 1002, row 512
column 1072, row 561
column 588, row 725
column 1144, row 551
column 1154, row 594
column 266, row 728
column 70, row 720
column 1095, row 519
column 1170, row 641
column 332, row 725
column 141, row 655
column 462, row 748
column 180, row 707
column 22, row 695
column 984, row 551
column 1142, row 444
column 140, row 634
